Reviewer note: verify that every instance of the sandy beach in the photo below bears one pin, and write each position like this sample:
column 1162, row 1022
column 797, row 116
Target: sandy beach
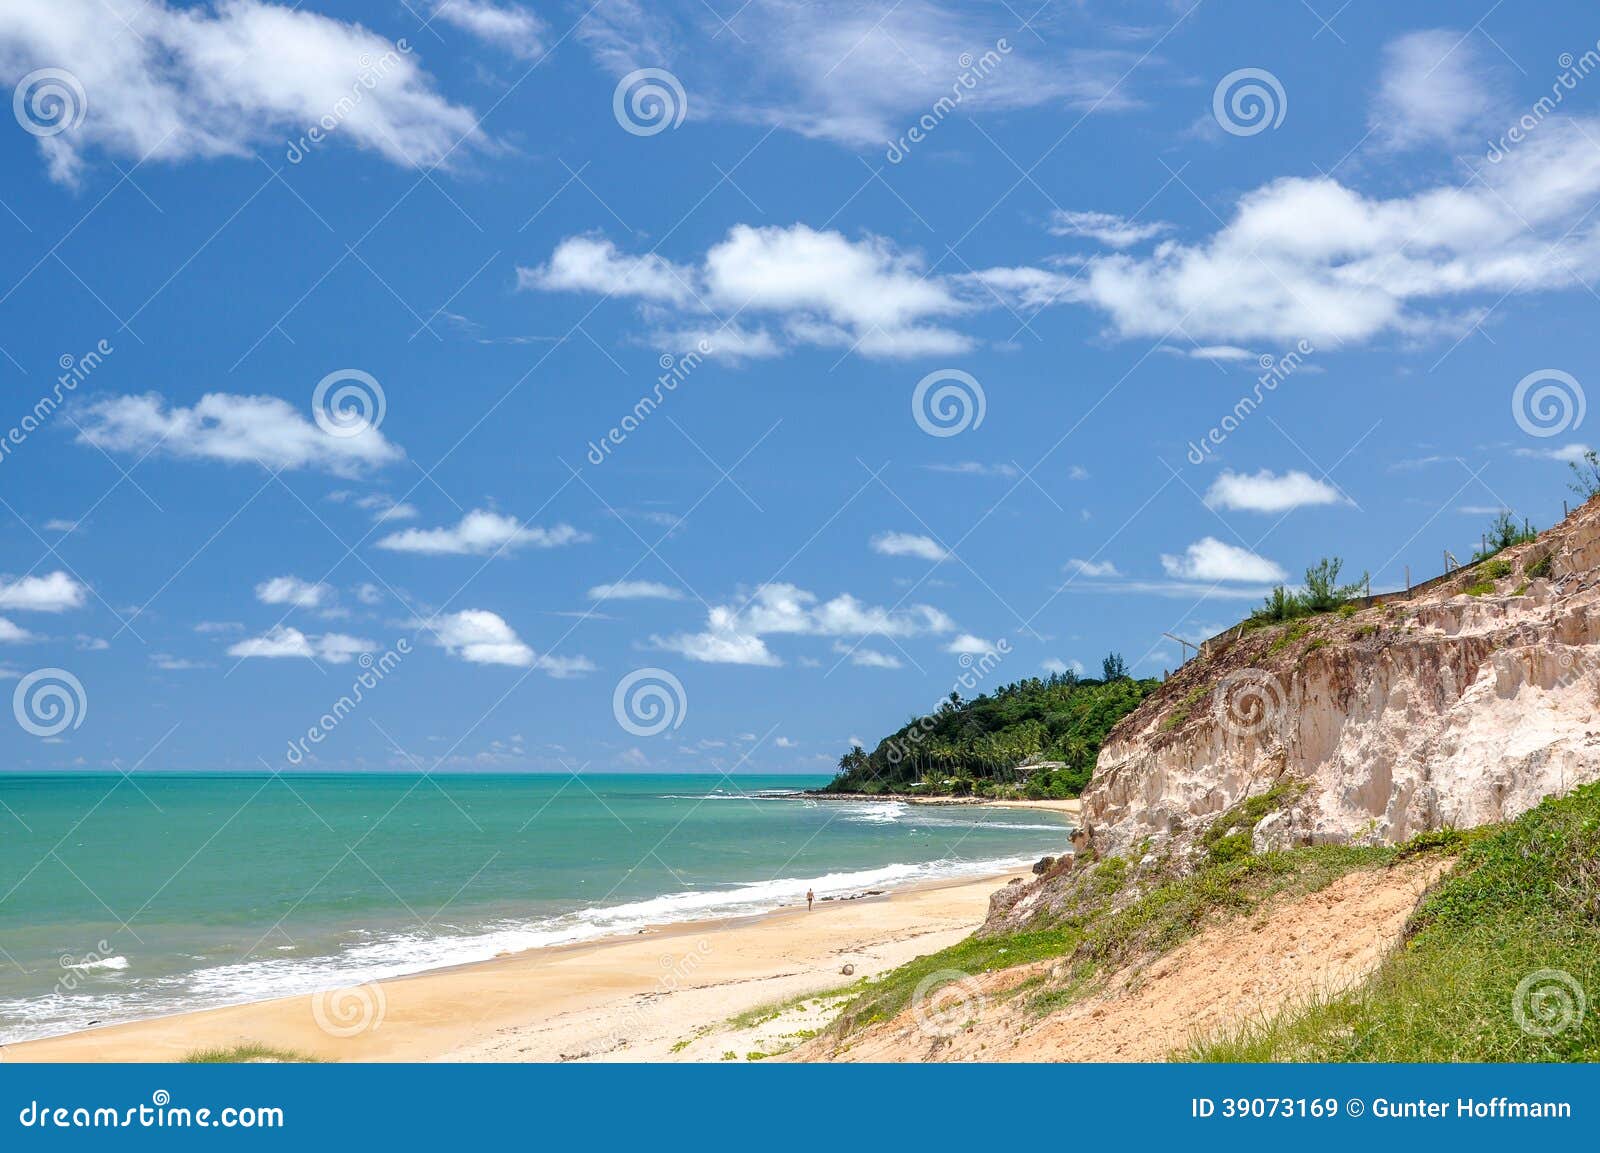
column 661, row 995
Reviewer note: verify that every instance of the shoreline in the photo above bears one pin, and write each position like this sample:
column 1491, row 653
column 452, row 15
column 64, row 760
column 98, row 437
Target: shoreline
column 649, row 995
column 1072, row 806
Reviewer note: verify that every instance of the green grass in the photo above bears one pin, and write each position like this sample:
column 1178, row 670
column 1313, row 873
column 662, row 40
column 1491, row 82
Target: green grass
column 1101, row 924
column 892, row 992
column 1479, row 588
column 246, row 1053
column 1229, row 838
column 1289, row 635
column 761, row 1014
column 1524, row 898
column 1180, row 712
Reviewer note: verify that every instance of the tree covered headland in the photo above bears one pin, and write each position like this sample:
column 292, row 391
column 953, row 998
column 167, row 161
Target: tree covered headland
column 1035, row 738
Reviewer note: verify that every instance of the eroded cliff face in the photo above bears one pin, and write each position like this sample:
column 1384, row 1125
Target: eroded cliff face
column 1447, row 708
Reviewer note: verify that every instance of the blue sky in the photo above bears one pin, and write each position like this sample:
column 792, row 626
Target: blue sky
column 793, row 360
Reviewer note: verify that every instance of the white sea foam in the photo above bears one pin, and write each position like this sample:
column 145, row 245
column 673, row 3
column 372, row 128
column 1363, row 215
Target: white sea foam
column 90, row 966
column 372, row 956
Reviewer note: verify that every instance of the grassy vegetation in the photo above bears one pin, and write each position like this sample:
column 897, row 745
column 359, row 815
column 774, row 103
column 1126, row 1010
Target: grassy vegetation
column 1322, row 594
column 974, row 747
column 1181, row 711
column 1228, row 838
column 1504, row 531
column 1524, row 900
column 246, row 1053
column 1102, row 924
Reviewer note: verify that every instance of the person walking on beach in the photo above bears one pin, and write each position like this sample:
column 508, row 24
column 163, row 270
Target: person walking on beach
column 810, row 896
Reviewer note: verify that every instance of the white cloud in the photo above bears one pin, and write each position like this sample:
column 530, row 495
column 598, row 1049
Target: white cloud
column 60, row 525
column 734, row 634
column 291, row 590
column 509, row 26
column 166, row 662
column 1210, row 559
column 14, row 634
column 384, row 507
column 484, row 638
column 593, row 264
column 1058, row 666
column 1432, row 90
column 236, row 429
column 1267, row 492
column 1312, row 259
column 908, row 544
column 1090, row 568
column 85, row 643
column 1565, row 453
column 971, row 645
column 824, row 288
column 1172, row 589
column 857, row 74
column 974, row 468
column 722, row 648
column 1226, row 352
column 786, row 743
column 479, row 533
column 635, row 590
column 1116, row 231
column 283, row 641
column 868, row 658
column 169, row 83
column 727, row 341
column 52, row 593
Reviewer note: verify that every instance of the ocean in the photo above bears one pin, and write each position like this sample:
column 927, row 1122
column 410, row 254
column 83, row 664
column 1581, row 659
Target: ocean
column 130, row 897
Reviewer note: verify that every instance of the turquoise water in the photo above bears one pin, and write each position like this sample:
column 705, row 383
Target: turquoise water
column 129, row 898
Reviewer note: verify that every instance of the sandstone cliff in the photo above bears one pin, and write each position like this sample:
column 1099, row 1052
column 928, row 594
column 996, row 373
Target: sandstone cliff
column 1459, row 705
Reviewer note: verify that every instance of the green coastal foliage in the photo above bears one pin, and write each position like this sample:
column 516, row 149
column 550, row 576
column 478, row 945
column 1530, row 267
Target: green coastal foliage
column 249, row 1053
column 1504, row 531
column 1102, row 924
column 1513, row 930
column 974, row 747
column 1322, row 594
